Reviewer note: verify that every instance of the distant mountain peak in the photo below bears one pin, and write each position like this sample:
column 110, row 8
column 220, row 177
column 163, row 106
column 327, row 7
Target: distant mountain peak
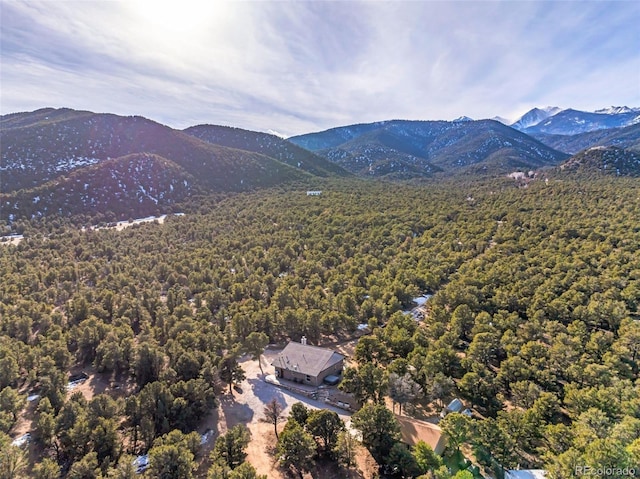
column 552, row 110
column 535, row 116
column 267, row 144
column 276, row 133
column 501, row 119
column 615, row 110
column 462, row 118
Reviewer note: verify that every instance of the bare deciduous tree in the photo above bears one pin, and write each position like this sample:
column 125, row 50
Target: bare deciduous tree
column 273, row 414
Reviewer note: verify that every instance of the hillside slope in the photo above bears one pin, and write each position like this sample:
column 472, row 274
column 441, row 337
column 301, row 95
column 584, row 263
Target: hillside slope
column 266, row 144
column 42, row 145
column 605, row 160
column 135, row 185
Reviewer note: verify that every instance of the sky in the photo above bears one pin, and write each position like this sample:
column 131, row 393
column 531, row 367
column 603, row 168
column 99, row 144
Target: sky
column 295, row 67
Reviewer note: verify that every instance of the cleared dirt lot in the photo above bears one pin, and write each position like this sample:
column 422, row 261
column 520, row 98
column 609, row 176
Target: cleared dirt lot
column 247, row 405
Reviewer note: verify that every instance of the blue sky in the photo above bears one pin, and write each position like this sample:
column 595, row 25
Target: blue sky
column 296, row 67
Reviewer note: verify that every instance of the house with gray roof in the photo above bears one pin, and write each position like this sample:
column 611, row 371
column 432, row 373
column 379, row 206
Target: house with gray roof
column 306, row 364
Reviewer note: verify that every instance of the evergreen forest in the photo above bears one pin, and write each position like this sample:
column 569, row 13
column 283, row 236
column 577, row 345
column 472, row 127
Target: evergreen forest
column 534, row 319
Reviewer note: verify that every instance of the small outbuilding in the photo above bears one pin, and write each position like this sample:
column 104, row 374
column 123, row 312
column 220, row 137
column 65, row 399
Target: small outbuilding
column 454, row 406
column 306, row 364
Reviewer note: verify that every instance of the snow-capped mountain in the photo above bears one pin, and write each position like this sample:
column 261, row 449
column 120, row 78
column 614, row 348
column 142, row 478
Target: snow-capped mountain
column 68, row 162
column 615, row 110
column 535, row 116
column 572, row 122
column 501, row 119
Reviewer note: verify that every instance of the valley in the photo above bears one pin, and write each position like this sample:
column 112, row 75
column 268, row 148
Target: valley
column 245, row 242
column 319, row 239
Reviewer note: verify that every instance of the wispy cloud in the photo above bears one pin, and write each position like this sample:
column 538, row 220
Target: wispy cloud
column 303, row 66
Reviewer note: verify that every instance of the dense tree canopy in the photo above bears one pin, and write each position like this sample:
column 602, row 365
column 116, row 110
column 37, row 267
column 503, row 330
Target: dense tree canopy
column 535, row 307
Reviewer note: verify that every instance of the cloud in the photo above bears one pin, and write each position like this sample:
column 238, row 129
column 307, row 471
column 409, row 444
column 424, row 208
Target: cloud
column 303, row 66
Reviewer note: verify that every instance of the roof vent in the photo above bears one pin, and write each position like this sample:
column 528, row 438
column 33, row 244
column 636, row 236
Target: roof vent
column 303, row 340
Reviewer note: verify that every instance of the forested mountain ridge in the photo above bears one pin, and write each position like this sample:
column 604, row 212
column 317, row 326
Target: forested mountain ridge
column 42, row 145
column 69, row 162
column 627, row 137
column 266, row 144
column 608, row 160
column 533, row 320
column 431, row 146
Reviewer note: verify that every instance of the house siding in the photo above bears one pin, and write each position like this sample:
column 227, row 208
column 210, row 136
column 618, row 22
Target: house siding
column 301, row 378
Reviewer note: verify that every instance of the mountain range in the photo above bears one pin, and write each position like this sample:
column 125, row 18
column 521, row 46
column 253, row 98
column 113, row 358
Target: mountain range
column 45, row 144
column 572, row 122
column 69, row 162
column 427, row 147
column 83, row 161
column 627, row 137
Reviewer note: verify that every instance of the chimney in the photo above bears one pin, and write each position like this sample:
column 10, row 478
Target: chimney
column 303, row 340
